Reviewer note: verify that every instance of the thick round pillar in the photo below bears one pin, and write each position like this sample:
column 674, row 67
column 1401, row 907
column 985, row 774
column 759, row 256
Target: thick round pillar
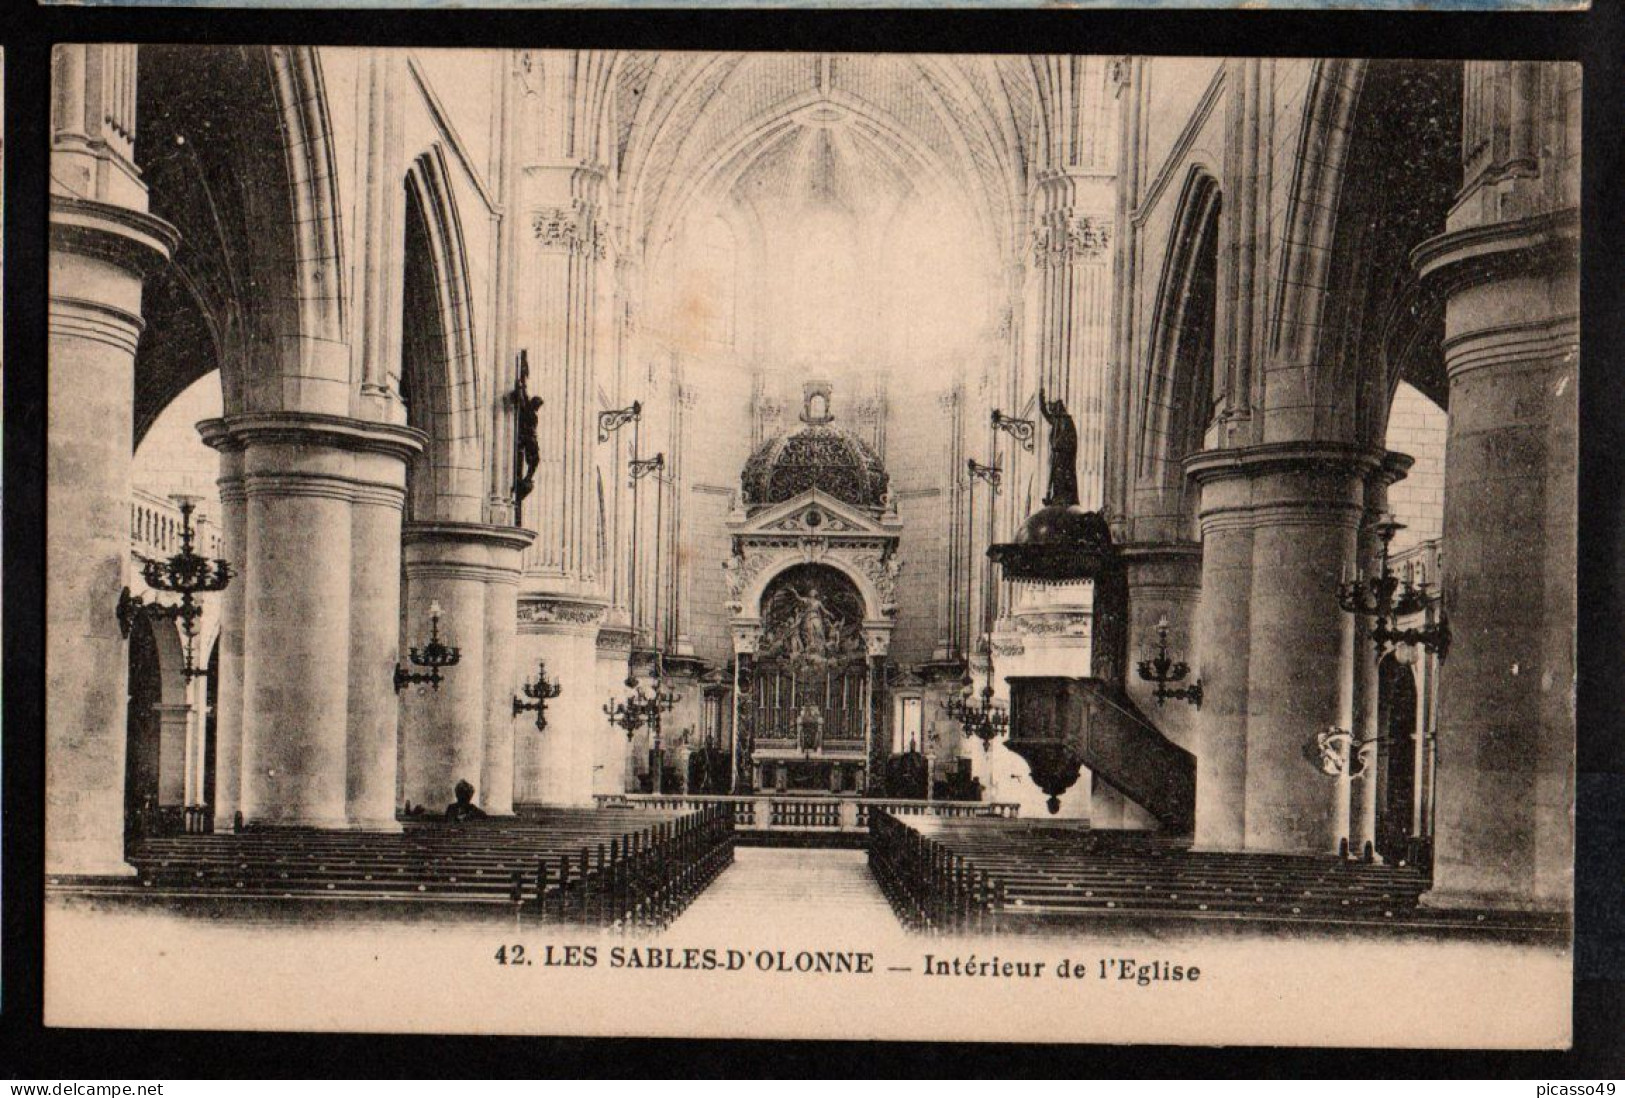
column 560, row 766
column 1306, row 509
column 444, row 729
column 1220, row 659
column 97, row 256
column 1278, row 527
column 302, row 476
column 1505, row 763
column 375, row 608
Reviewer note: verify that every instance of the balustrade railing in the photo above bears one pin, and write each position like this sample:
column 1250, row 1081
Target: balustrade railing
column 764, row 811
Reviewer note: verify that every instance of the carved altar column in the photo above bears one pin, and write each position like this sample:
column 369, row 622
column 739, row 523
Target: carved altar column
column 102, row 242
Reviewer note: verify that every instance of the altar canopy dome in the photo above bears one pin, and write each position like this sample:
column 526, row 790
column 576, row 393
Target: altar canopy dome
column 818, row 455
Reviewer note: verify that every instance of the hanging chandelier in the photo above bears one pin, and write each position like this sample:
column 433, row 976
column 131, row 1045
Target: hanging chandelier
column 1386, row 599
column 186, row 573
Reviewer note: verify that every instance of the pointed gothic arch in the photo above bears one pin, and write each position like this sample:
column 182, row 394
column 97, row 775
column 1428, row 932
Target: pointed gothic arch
column 440, row 377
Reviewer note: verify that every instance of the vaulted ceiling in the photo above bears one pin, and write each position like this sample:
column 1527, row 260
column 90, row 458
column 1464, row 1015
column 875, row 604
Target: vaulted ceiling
column 869, row 128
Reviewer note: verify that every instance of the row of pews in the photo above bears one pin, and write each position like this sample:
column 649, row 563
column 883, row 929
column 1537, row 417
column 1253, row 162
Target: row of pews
column 611, row 867
column 1017, row 875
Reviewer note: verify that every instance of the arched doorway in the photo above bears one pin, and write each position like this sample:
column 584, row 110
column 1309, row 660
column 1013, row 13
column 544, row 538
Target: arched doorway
column 1396, row 758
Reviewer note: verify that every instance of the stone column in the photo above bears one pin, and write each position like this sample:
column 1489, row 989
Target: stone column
column 303, row 474
column 375, row 613
column 502, row 676
column 1505, row 781
column 1164, row 581
column 1367, row 726
column 173, row 720
column 443, row 729
column 1306, row 509
column 559, row 766
column 1220, row 654
column 228, row 712
column 98, row 254
column 1290, row 510
column 1507, row 269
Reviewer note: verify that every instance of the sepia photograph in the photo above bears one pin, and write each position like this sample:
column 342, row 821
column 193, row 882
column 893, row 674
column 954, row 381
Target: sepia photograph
column 892, row 546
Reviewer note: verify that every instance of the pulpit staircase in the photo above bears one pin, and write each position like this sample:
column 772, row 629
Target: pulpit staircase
column 1060, row 724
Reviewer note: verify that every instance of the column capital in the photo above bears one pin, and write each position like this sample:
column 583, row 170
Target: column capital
column 1543, row 244
column 467, row 533
column 252, row 429
column 1282, row 457
column 578, row 616
column 130, row 238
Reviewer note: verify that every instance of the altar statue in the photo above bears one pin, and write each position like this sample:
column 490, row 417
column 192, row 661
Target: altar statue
column 814, row 624
column 1063, row 453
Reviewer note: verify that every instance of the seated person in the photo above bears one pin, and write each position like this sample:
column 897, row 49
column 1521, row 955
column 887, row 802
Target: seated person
column 464, row 807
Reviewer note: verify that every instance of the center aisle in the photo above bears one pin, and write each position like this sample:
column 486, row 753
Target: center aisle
column 828, row 893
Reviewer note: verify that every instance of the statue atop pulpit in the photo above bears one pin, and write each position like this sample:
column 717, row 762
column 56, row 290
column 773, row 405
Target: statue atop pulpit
column 1063, row 453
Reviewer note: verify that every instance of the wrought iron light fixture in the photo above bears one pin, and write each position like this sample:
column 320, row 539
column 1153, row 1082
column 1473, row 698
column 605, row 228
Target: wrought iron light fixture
column 540, row 692
column 613, row 419
column 186, row 573
column 435, row 655
column 1162, row 670
column 1021, row 430
column 978, row 714
column 640, row 708
column 1386, row 599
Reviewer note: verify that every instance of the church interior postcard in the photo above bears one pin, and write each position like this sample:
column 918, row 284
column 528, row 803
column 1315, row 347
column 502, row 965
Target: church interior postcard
column 947, row 547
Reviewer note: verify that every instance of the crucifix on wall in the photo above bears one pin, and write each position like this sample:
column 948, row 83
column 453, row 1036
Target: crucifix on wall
column 527, row 444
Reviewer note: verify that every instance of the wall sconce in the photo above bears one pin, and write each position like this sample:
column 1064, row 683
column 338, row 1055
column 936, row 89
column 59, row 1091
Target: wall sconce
column 434, row 655
column 1162, row 670
column 540, row 692
column 1019, row 429
column 1384, row 598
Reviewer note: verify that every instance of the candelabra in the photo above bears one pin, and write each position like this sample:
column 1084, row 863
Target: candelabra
column 979, row 715
column 1386, row 599
column 640, row 708
column 186, row 573
column 1021, row 430
column 435, row 655
column 1162, row 670
column 540, row 692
